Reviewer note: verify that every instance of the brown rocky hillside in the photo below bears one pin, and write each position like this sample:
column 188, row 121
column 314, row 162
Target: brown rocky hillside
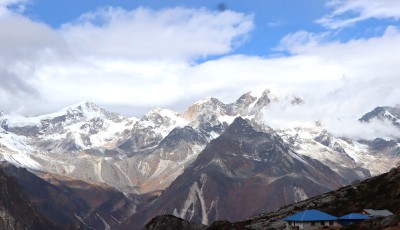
column 380, row 192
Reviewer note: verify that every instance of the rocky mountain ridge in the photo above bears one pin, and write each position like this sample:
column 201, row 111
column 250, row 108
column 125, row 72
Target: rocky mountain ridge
column 146, row 158
column 233, row 176
column 391, row 114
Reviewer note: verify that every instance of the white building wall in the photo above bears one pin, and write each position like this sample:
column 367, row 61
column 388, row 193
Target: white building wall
column 308, row 225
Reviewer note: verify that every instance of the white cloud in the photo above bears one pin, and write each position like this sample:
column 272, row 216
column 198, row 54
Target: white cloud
column 363, row 131
column 301, row 39
column 176, row 33
column 327, row 111
column 112, row 56
column 17, row 6
column 276, row 23
column 348, row 12
column 133, row 61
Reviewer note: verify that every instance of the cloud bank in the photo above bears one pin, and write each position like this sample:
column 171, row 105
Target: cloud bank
column 283, row 115
column 110, row 56
column 176, row 33
column 132, row 61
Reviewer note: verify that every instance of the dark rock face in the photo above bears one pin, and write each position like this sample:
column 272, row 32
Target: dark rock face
column 210, row 123
column 297, row 101
column 170, row 222
column 143, row 137
column 384, row 113
column 239, row 174
column 16, row 210
column 29, row 131
column 381, row 144
column 140, row 139
column 3, row 122
column 324, row 139
column 178, row 143
column 71, row 204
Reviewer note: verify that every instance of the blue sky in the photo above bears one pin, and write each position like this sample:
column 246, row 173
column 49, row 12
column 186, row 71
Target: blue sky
column 272, row 19
column 132, row 56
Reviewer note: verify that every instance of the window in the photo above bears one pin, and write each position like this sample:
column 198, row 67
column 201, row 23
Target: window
column 330, row 222
column 312, row 223
column 322, row 223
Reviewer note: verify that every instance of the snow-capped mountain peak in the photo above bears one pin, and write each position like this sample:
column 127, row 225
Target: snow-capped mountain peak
column 383, row 113
column 162, row 121
column 74, row 128
column 89, row 110
column 71, row 114
column 205, row 100
column 249, row 103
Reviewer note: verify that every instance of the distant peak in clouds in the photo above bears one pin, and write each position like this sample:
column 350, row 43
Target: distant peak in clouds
column 132, row 57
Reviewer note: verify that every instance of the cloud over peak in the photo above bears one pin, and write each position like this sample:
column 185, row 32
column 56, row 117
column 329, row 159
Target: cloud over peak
column 143, row 58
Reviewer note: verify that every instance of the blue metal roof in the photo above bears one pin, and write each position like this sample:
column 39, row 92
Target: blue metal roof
column 354, row 216
column 310, row 215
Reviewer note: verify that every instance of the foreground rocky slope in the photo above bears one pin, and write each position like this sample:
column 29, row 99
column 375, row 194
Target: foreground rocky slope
column 380, row 192
column 69, row 203
column 16, row 210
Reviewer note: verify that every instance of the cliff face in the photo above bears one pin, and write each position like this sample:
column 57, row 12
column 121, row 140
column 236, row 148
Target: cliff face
column 67, row 203
column 16, row 211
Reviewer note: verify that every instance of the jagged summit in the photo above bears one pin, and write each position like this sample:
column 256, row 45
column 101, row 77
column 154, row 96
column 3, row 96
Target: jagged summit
column 162, row 119
column 391, row 114
column 297, row 100
column 207, row 100
column 209, row 106
column 89, row 110
column 250, row 103
column 71, row 114
column 162, row 112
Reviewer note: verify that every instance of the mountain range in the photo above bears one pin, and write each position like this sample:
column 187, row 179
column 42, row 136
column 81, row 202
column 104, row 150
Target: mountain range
column 213, row 161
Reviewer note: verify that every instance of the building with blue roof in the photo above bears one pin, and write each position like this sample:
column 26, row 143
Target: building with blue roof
column 311, row 219
column 352, row 218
